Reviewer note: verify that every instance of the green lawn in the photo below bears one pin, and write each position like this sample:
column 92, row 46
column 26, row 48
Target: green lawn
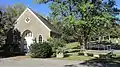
column 73, row 50
column 78, row 58
column 117, row 54
column 72, row 45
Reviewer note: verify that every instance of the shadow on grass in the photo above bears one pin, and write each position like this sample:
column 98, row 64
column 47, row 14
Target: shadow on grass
column 70, row 65
column 98, row 62
column 108, row 60
column 77, row 47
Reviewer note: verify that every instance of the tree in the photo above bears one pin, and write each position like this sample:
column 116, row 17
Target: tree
column 6, row 23
column 15, row 10
column 83, row 18
column 8, row 16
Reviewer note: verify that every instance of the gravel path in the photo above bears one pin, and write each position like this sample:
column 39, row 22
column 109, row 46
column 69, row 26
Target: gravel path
column 29, row 62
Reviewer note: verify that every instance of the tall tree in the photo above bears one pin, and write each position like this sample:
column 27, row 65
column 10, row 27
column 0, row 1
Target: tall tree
column 8, row 16
column 83, row 18
column 15, row 10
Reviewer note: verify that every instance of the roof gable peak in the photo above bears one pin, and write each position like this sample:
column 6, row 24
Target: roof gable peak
column 44, row 21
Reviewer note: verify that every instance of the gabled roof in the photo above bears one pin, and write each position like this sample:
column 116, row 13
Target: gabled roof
column 45, row 22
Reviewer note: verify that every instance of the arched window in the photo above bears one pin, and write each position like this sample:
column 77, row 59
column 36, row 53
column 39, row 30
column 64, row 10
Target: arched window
column 27, row 33
column 40, row 38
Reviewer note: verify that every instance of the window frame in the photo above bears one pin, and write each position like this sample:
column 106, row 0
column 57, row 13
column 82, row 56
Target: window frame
column 28, row 20
column 40, row 38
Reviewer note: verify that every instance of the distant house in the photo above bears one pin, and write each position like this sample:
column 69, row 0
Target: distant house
column 33, row 26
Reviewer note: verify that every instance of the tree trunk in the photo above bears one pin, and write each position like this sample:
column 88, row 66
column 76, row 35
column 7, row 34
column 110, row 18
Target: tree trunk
column 103, row 38
column 83, row 44
column 99, row 39
column 109, row 38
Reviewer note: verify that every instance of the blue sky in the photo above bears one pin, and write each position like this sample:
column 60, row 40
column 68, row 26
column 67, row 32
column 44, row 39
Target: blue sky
column 40, row 8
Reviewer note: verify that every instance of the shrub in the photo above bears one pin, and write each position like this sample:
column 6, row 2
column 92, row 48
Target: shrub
column 56, row 43
column 81, row 53
column 53, row 55
column 90, row 54
column 60, row 50
column 102, row 56
column 66, row 51
column 40, row 50
column 82, row 50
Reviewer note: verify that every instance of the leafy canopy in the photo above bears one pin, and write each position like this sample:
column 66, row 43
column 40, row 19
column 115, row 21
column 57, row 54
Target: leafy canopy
column 83, row 18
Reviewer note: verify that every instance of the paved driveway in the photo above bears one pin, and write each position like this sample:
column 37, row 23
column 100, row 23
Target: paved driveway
column 29, row 62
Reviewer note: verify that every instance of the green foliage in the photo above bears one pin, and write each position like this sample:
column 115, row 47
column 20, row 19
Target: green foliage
column 56, row 43
column 60, row 50
column 107, row 56
column 53, row 55
column 81, row 53
column 73, row 45
column 73, row 50
column 84, row 19
column 15, row 10
column 90, row 54
column 8, row 16
column 41, row 50
column 6, row 24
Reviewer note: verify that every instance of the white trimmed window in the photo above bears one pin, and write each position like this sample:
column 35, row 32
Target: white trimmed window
column 40, row 38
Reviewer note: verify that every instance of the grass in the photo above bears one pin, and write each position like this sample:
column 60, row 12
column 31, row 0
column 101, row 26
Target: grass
column 73, row 49
column 77, row 58
column 117, row 54
column 72, row 45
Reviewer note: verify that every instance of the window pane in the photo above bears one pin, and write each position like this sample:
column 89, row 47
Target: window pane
column 40, row 38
